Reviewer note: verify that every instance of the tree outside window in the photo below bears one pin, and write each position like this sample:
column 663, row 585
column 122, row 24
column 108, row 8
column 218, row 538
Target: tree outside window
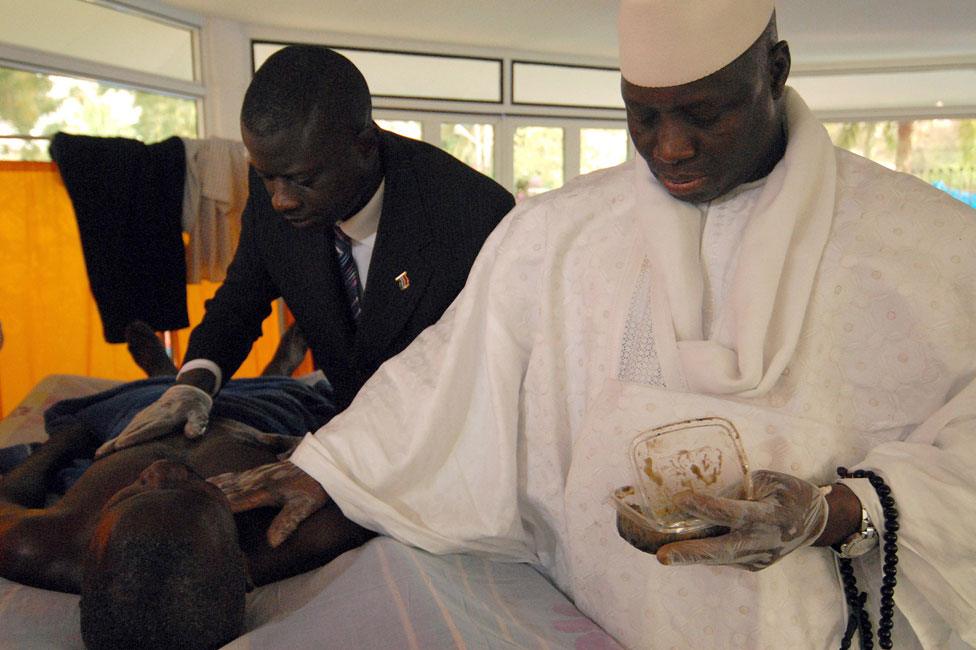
column 602, row 148
column 34, row 106
column 470, row 143
column 941, row 151
column 538, row 160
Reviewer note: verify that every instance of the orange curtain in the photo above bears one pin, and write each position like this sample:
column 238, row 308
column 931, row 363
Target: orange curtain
column 49, row 319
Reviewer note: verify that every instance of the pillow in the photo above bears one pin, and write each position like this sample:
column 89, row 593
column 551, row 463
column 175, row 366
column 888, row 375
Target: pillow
column 25, row 423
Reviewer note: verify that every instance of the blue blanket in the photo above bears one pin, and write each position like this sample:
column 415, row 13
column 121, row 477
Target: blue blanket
column 269, row 404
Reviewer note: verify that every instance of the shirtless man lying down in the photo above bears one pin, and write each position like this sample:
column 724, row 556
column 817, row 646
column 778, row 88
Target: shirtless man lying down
column 153, row 549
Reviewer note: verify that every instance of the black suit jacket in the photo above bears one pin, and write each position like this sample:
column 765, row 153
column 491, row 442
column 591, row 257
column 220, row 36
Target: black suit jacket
column 437, row 212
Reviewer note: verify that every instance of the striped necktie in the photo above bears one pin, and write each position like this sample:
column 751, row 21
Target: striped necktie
column 350, row 275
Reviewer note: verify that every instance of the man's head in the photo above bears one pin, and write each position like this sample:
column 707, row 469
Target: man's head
column 164, row 568
column 307, row 124
column 704, row 135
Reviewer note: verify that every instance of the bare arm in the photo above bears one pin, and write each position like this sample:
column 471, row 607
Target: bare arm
column 28, row 483
column 322, row 532
column 39, row 546
column 320, row 538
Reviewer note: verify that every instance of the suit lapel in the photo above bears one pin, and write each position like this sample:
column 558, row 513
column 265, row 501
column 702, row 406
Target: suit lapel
column 399, row 252
column 319, row 296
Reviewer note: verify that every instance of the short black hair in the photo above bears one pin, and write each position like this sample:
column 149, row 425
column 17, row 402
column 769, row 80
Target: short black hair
column 154, row 592
column 307, row 86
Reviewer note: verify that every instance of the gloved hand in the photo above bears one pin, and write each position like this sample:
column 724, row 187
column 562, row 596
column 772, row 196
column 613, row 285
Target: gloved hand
column 280, row 445
column 181, row 407
column 276, row 484
column 785, row 513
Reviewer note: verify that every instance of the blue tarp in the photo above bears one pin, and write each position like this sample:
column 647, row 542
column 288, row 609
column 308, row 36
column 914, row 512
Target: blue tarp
column 969, row 198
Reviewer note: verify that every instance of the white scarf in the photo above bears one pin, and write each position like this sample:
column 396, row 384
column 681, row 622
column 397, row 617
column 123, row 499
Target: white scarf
column 774, row 272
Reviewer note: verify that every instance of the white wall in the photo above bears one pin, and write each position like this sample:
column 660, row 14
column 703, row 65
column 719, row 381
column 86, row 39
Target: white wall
column 226, row 63
column 839, row 91
column 225, row 52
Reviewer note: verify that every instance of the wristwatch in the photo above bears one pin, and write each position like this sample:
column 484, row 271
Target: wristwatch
column 860, row 542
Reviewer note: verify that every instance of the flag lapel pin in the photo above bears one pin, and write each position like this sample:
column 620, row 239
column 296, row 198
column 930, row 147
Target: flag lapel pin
column 402, row 281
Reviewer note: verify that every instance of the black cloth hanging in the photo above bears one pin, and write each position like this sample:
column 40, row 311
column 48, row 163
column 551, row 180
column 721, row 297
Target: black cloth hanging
column 128, row 199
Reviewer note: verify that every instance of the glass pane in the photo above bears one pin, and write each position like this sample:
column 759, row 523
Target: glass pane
column 538, row 160
column 853, row 92
column 87, row 31
column 401, row 74
column 601, row 148
column 942, row 152
column 39, row 105
column 473, row 144
column 406, row 128
column 565, row 85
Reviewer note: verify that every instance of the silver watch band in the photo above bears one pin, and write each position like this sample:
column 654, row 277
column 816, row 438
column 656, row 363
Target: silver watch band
column 862, row 541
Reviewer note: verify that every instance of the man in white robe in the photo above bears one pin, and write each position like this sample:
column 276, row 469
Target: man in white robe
column 741, row 267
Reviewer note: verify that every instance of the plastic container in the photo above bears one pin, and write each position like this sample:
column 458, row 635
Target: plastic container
column 703, row 455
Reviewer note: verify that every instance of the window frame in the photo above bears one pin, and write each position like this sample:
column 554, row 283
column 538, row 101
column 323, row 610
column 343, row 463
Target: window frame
column 509, row 115
column 37, row 61
column 505, row 116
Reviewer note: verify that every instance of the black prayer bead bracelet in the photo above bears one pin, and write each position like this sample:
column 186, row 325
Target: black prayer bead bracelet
column 859, row 619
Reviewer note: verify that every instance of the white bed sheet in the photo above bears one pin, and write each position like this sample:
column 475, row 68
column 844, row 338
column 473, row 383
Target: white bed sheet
column 382, row 595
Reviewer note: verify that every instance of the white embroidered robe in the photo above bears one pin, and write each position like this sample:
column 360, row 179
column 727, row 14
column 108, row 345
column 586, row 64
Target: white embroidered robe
column 505, row 426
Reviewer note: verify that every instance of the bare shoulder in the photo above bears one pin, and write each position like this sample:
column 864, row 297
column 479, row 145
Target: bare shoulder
column 42, row 548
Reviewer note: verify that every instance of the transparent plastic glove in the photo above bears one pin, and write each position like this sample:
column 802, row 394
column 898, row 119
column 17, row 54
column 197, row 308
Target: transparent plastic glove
column 181, row 407
column 279, row 444
column 786, row 513
column 276, row 484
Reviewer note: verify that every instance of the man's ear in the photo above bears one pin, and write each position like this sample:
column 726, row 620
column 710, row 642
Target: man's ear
column 779, row 68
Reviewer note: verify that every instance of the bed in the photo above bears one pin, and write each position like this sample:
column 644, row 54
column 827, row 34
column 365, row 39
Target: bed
column 382, row 595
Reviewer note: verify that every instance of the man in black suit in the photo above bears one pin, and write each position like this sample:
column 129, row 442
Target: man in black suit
column 328, row 188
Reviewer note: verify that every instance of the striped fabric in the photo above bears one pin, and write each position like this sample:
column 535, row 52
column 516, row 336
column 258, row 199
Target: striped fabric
column 350, row 274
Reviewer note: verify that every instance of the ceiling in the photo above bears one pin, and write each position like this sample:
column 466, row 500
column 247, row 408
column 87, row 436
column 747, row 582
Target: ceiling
column 820, row 32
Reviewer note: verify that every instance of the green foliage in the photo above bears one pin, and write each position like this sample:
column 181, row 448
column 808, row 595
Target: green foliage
column 471, row 144
column 934, row 150
column 967, row 142
column 163, row 116
column 24, row 98
column 538, row 154
column 41, row 105
column 17, row 149
column 845, row 134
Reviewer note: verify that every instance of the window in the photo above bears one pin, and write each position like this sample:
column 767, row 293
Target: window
column 471, row 143
column 416, row 75
column 601, row 148
column 529, row 125
column 95, row 69
column 941, row 151
column 863, row 93
column 105, row 35
column 34, row 106
column 548, row 84
column 538, row 160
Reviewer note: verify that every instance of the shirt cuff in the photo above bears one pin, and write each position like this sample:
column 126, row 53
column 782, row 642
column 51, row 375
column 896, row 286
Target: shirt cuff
column 309, row 456
column 206, row 364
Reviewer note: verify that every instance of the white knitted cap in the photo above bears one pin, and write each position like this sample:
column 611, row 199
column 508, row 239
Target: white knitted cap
column 674, row 42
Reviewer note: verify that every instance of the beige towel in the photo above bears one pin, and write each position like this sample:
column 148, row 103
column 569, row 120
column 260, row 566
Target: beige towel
column 214, row 195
